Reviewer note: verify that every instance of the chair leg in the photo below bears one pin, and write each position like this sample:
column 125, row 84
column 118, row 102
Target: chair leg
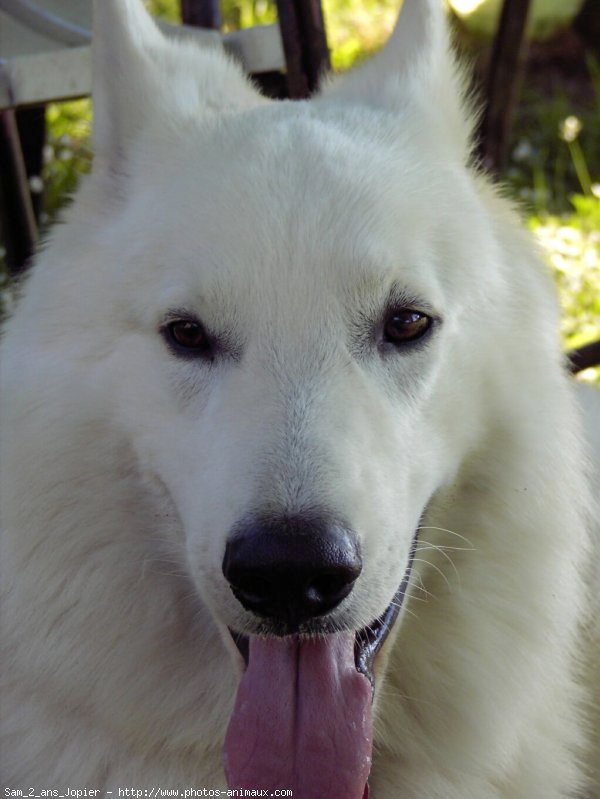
column 314, row 38
column 31, row 124
column 18, row 219
column 503, row 83
column 304, row 43
column 201, row 13
column 584, row 357
column 303, row 35
column 289, row 24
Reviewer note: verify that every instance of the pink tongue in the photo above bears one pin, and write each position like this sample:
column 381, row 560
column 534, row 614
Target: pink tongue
column 302, row 720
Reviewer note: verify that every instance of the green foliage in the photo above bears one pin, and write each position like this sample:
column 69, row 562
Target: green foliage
column 546, row 168
column 356, row 28
column 67, row 153
column 555, row 173
column 234, row 14
column 545, row 17
column 572, row 245
column 167, row 9
column 557, row 147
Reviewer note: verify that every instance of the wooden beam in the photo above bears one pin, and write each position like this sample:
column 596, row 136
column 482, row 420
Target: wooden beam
column 503, row 84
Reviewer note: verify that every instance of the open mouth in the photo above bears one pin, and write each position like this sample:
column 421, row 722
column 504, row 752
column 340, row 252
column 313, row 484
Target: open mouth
column 303, row 713
column 369, row 640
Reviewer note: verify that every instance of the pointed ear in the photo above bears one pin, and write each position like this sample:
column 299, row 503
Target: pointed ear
column 142, row 76
column 415, row 68
column 123, row 36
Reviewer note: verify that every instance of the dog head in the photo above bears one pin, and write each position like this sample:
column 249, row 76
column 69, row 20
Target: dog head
column 294, row 310
column 284, row 303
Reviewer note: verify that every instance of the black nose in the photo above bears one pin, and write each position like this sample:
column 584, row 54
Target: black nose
column 292, row 569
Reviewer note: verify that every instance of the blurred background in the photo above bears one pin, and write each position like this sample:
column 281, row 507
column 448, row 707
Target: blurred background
column 552, row 166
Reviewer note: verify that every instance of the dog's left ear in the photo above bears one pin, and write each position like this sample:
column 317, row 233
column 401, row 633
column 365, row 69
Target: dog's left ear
column 415, row 70
column 137, row 69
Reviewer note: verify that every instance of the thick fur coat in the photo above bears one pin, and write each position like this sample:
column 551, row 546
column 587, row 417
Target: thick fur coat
column 289, row 228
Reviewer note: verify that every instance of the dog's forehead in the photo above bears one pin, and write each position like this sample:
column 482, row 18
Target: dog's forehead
column 275, row 158
column 326, row 196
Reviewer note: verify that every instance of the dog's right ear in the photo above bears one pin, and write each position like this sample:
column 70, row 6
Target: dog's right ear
column 137, row 70
column 416, row 71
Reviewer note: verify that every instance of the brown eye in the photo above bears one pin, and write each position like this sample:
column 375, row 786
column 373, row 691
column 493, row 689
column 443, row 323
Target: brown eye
column 188, row 337
column 404, row 325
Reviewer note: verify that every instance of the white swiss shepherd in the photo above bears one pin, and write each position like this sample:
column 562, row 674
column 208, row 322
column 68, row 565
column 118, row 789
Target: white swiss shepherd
column 278, row 354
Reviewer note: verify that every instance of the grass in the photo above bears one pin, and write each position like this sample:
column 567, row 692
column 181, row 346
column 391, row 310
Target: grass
column 572, row 244
column 554, row 173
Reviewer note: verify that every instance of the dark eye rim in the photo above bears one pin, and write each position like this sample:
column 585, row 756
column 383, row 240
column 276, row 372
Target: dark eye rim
column 205, row 351
column 388, row 344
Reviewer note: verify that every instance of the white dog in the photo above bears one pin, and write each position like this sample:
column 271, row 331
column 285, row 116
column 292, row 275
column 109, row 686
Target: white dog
column 289, row 378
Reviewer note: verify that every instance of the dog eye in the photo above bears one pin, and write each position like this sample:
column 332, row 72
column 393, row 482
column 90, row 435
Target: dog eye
column 405, row 325
column 188, row 337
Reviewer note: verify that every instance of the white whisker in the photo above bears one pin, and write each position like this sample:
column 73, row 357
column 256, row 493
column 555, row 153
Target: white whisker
column 423, row 590
column 450, row 532
column 445, row 554
column 443, row 546
column 437, row 569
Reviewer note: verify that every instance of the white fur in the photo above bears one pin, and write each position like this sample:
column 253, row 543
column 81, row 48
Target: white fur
column 124, row 467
